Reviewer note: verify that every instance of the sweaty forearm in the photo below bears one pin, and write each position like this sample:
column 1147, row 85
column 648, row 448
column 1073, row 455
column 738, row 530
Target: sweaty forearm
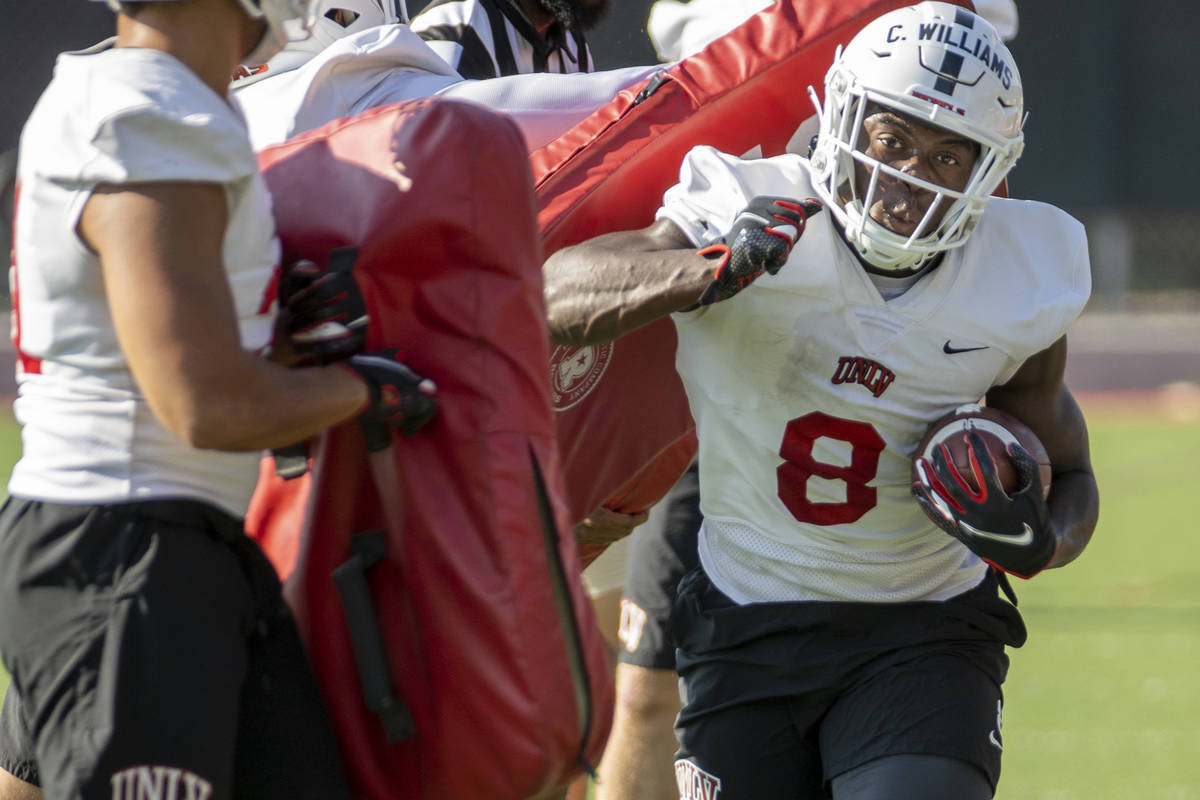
column 596, row 294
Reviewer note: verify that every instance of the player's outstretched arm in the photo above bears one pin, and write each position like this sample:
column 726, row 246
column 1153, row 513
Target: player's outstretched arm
column 603, row 288
column 1037, row 396
column 606, row 287
column 160, row 247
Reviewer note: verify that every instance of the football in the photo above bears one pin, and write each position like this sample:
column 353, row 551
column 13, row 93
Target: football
column 998, row 428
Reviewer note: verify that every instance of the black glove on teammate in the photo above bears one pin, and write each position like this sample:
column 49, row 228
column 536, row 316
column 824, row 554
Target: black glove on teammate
column 761, row 238
column 325, row 316
column 1013, row 532
column 399, row 397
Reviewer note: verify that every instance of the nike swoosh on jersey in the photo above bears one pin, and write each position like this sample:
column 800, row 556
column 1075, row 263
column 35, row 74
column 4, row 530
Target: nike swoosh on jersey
column 1021, row 540
column 948, row 350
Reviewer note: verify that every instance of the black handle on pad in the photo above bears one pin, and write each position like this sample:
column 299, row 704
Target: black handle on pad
column 373, row 672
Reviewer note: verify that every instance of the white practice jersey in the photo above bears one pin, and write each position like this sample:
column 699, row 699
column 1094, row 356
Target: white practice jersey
column 121, row 116
column 390, row 63
column 810, row 392
column 372, row 68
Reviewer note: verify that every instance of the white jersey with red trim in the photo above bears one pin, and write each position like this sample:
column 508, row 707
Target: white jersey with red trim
column 121, row 116
column 810, row 391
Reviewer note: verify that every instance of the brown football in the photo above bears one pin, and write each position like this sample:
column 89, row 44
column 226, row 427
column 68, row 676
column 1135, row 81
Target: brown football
column 998, row 428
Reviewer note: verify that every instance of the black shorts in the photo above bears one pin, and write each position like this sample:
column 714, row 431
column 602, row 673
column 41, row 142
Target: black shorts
column 780, row 698
column 149, row 645
column 16, row 742
column 658, row 558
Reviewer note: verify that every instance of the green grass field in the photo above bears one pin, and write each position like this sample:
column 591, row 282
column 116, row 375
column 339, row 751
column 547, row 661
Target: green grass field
column 1102, row 703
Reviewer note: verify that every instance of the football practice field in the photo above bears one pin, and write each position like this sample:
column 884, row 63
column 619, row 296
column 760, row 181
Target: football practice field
column 1103, row 702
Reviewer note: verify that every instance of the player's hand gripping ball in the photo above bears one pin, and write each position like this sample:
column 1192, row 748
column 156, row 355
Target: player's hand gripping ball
column 982, row 476
column 760, row 240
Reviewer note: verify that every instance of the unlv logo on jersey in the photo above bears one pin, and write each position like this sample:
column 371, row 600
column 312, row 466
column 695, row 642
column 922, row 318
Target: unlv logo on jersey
column 871, row 374
column 154, row 782
column 694, row 783
column 575, row 371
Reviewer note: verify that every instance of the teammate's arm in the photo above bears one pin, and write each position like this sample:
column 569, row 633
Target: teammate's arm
column 160, row 247
column 606, row 287
column 1037, row 396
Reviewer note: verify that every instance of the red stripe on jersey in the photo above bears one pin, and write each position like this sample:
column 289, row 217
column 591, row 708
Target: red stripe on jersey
column 25, row 364
column 270, row 291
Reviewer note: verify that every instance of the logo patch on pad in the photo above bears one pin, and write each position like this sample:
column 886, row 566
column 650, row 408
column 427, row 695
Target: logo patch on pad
column 575, row 371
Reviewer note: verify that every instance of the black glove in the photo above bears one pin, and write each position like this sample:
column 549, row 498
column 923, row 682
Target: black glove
column 1011, row 532
column 761, row 238
column 324, row 314
column 399, row 397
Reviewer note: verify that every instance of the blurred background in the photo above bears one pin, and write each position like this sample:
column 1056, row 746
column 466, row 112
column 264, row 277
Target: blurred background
column 1109, row 85
column 1102, row 702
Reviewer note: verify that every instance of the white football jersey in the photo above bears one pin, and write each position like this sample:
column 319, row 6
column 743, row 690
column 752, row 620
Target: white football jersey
column 373, row 68
column 120, row 116
column 390, row 63
column 810, row 392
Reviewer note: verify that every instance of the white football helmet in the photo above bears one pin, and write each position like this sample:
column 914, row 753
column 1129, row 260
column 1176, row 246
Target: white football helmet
column 357, row 15
column 286, row 20
column 331, row 20
column 944, row 66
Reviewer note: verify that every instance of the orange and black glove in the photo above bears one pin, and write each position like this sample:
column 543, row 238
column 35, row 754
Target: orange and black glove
column 760, row 240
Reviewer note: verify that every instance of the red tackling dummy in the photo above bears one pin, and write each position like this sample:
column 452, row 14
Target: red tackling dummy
column 439, row 574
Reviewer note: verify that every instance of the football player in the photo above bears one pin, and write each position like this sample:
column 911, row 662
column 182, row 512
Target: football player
column 835, row 637
column 148, row 642
column 637, row 758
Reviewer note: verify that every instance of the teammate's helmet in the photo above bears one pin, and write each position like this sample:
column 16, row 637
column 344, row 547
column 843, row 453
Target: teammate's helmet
column 277, row 13
column 357, row 15
column 332, row 20
column 295, row 13
column 943, row 66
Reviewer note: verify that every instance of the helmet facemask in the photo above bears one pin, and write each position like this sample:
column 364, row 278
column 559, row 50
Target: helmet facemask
column 898, row 78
